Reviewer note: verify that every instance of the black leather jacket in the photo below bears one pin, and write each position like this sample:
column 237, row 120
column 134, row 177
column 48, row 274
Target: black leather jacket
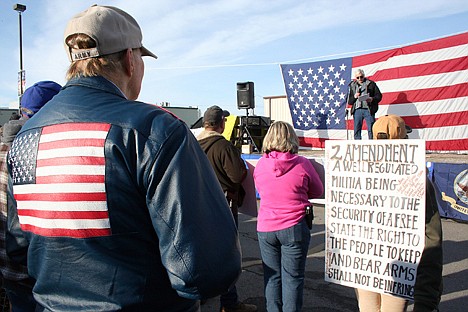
column 165, row 235
column 373, row 91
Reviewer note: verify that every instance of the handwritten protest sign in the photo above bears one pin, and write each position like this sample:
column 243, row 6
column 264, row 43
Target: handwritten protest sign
column 375, row 213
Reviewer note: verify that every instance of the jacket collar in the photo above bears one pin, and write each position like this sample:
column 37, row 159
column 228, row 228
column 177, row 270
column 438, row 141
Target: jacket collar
column 96, row 82
column 207, row 134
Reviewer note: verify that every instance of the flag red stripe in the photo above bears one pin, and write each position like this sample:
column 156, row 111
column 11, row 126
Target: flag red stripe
column 446, row 66
column 437, row 44
column 425, row 95
column 432, row 45
column 70, row 179
column 81, row 233
column 438, row 120
column 77, row 160
column 314, row 142
column 47, row 214
column 65, row 197
column 71, row 143
column 366, row 59
column 76, row 127
column 447, row 145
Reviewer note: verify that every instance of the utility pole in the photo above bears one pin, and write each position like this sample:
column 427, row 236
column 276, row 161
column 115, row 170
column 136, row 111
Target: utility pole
column 20, row 8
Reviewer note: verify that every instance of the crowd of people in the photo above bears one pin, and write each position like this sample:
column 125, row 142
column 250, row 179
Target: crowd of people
column 110, row 204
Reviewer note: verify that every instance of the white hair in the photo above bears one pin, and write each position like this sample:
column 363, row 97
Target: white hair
column 359, row 71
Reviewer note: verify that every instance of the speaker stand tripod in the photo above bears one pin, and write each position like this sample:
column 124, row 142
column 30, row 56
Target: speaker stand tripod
column 245, row 133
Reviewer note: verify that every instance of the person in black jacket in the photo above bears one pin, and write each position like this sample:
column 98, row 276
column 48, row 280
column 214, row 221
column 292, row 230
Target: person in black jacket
column 231, row 171
column 363, row 100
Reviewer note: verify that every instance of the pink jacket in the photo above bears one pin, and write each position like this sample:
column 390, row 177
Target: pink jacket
column 285, row 182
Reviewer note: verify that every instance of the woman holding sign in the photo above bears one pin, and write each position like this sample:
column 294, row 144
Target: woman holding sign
column 428, row 285
column 285, row 182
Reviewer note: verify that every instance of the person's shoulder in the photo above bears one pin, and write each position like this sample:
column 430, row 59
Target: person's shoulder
column 300, row 158
column 229, row 144
column 149, row 114
column 304, row 161
column 149, row 121
column 209, row 134
column 154, row 110
column 225, row 145
column 167, row 111
column 11, row 129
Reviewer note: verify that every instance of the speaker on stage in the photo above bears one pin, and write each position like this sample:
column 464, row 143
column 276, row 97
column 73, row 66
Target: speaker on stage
column 245, row 95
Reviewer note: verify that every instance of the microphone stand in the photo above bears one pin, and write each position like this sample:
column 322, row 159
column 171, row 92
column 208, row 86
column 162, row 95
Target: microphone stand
column 346, row 110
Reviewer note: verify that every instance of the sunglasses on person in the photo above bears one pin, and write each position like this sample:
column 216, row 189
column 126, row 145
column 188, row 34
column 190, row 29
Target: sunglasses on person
column 360, row 77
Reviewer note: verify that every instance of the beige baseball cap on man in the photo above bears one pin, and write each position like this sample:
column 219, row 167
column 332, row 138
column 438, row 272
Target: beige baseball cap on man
column 113, row 30
column 390, row 127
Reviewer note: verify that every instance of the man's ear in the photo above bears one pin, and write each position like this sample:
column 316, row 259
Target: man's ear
column 128, row 62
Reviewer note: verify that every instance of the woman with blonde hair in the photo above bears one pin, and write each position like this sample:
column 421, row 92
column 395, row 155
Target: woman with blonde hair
column 285, row 182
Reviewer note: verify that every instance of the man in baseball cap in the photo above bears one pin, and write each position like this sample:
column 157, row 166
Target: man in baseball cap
column 128, row 214
column 32, row 100
column 37, row 96
column 112, row 29
column 214, row 116
column 230, row 169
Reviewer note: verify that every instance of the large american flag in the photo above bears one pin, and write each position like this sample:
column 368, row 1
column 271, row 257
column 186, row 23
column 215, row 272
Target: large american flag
column 58, row 177
column 425, row 83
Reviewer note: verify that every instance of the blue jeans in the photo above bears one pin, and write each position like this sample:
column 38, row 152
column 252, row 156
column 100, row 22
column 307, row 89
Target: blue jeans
column 359, row 116
column 284, row 256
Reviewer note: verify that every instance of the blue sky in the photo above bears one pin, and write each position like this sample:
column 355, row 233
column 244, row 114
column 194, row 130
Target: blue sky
column 206, row 47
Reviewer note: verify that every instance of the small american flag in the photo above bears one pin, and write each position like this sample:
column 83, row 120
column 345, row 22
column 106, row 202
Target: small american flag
column 58, row 177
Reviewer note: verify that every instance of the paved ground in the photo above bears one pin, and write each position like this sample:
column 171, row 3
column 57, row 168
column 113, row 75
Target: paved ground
column 323, row 296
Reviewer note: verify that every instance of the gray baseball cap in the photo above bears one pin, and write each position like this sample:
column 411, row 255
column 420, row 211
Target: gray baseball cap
column 214, row 115
column 113, row 30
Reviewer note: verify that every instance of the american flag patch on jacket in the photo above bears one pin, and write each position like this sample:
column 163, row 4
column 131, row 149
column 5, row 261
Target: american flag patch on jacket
column 58, row 180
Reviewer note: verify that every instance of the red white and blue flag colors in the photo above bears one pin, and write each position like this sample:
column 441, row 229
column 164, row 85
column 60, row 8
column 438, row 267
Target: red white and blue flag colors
column 58, row 177
column 425, row 83
column 317, row 94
